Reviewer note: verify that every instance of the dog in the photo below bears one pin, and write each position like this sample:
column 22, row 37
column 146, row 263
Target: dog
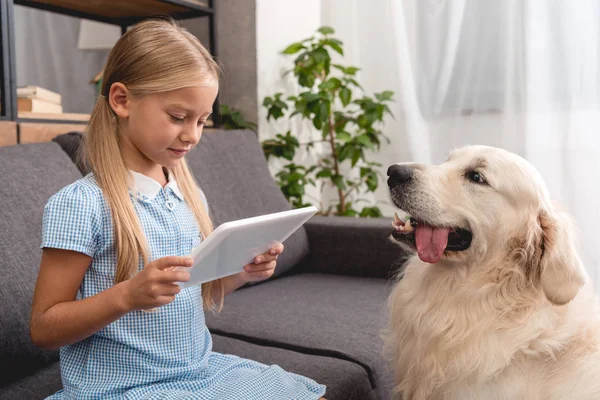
column 495, row 304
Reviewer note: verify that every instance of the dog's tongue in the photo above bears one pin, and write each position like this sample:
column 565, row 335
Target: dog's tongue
column 431, row 242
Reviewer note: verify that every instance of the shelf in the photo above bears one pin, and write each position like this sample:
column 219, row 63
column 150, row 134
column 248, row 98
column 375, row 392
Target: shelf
column 8, row 133
column 31, row 132
column 122, row 12
column 34, row 127
column 50, row 117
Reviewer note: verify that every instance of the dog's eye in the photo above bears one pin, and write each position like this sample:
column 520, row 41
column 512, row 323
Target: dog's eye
column 476, row 177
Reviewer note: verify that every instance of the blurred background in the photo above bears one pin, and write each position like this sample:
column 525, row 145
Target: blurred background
column 521, row 75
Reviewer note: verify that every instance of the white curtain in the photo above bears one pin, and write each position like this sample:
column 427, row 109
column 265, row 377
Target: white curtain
column 518, row 74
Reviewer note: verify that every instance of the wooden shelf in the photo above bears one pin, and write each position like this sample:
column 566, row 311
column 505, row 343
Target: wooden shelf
column 24, row 116
column 8, row 133
column 32, row 132
column 27, row 127
column 121, row 10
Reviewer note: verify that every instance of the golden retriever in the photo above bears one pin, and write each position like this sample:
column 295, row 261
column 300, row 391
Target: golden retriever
column 496, row 303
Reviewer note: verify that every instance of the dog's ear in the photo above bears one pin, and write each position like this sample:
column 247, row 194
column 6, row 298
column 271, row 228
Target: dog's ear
column 561, row 271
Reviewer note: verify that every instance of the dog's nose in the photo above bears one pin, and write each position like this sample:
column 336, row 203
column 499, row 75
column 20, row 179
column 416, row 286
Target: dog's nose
column 399, row 174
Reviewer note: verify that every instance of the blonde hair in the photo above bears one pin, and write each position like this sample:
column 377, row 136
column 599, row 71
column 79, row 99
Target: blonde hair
column 154, row 56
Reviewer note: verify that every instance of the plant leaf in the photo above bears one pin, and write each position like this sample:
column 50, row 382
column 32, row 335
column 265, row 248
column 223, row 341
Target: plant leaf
column 373, row 212
column 293, row 48
column 365, row 140
column 345, row 96
column 335, row 45
column 343, row 136
column 326, row 30
column 317, row 122
column 308, row 96
column 320, row 55
column 338, row 181
column 346, row 152
column 332, row 83
column 356, row 156
column 349, row 213
column 324, row 173
column 340, row 67
column 355, row 83
column 274, row 112
column 372, row 182
column 384, row 96
column 351, row 70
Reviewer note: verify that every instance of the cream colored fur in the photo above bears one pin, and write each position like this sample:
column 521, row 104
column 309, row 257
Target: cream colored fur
column 513, row 317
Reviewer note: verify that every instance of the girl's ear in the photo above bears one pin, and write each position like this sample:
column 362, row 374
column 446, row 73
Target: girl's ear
column 119, row 99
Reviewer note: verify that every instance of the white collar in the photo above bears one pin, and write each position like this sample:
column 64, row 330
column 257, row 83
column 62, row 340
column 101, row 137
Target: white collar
column 149, row 188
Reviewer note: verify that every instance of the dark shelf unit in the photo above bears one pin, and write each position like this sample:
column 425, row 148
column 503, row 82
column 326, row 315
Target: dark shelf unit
column 120, row 13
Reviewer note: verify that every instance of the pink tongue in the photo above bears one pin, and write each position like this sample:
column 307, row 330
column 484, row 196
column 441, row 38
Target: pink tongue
column 431, row 242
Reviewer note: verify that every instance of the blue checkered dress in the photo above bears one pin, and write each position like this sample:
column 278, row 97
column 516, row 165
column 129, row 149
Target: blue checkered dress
column 165, row 354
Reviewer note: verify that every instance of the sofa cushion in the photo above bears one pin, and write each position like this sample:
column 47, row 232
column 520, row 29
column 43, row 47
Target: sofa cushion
column 328, row 315
column 352, row 246
column 70, row 142
column 30, row 175
column 344, row 379
column 233, row 173
column 39, row 385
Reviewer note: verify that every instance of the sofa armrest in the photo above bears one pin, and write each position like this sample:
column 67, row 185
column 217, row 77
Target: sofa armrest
column 352, row 246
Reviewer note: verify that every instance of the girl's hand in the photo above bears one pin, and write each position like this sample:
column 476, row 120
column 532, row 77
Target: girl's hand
column 156, row 285
column 263, row 266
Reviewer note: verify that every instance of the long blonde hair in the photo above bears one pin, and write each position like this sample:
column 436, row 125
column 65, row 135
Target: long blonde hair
column 154, row 56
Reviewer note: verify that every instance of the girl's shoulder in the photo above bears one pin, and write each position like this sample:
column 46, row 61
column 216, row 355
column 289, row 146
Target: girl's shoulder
column 84, row 191
column 74, row 218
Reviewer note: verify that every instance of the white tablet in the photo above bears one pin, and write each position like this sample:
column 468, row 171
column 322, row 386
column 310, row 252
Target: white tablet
column 234, row 244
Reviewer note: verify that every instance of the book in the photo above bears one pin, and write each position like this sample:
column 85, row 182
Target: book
column 39, row 106
column 36, row 92
column 203, row 3
column 55, row 116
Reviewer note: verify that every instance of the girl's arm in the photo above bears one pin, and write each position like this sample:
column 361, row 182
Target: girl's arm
column 263, row 267
column 231, row 283
column 57, row 319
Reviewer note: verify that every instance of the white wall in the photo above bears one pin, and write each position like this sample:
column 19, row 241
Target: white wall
column 368, row 47
column 278, row 24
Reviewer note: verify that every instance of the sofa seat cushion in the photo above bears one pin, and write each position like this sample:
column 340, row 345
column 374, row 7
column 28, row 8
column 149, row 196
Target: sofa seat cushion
column 329, row 315
column 39, row 385
column 345, row 380
column 31, row 173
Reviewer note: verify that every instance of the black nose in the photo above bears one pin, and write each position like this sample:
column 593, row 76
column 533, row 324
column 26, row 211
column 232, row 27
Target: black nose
column 399, row 174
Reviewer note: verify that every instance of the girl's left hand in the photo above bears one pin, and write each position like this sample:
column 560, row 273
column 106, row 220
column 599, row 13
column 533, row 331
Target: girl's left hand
column 263, row 266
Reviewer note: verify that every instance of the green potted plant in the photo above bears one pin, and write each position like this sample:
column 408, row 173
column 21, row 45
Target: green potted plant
column 350, row 125
column 232, row 118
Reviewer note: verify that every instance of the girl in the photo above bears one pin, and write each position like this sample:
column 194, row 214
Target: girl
column 107, row 292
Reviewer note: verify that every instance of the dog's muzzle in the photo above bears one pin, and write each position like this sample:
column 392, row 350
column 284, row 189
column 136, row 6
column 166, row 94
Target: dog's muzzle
column 399, row 175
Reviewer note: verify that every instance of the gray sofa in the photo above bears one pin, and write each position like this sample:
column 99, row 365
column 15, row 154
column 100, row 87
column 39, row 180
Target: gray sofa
column 319, row 316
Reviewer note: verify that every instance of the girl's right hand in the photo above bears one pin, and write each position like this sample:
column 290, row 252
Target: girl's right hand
column 156, row 285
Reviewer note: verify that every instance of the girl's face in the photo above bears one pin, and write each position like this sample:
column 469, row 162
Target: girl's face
column 157, row 130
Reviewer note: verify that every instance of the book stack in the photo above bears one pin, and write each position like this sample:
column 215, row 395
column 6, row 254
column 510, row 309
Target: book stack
column 35, row 99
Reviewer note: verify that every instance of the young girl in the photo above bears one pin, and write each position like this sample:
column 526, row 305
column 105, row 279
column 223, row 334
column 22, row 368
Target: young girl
column 107, row 292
